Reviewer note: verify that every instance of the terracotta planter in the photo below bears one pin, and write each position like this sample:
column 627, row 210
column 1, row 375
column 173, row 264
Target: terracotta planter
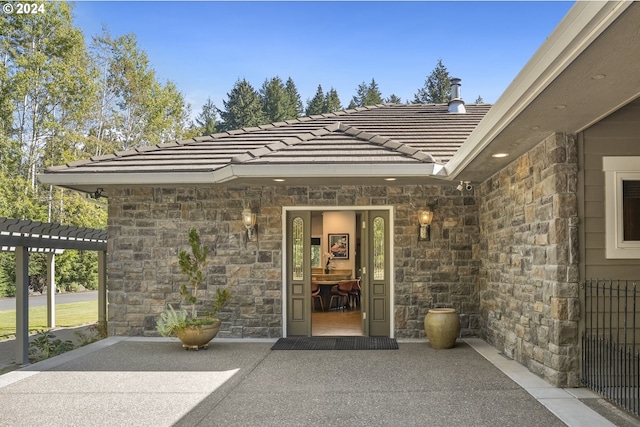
column 442, row 326
column 197, row 337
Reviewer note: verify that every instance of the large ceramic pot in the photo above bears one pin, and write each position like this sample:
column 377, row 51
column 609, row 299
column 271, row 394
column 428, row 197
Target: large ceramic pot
column 442, row 326
column 197, row 337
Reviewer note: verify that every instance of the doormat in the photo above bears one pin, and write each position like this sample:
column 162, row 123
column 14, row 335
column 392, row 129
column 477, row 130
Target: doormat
column 336, row 343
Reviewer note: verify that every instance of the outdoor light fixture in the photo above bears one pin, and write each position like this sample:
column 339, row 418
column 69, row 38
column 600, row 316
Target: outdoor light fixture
column 464, row 185
column 424, row 233
column 97, row 194
column 249, row 221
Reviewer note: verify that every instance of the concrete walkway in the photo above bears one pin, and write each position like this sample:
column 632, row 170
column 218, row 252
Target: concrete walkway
column 124, row 381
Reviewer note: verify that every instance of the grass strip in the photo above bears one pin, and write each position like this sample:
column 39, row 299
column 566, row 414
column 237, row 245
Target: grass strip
column 67, row 315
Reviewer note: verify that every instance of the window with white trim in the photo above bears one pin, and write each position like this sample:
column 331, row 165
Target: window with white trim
column 622, row 206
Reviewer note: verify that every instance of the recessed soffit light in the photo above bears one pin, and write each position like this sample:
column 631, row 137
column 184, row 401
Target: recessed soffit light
column 500, row 155
column 560, row 107
column 279, row 180
column 598, row 76
column 390, row 179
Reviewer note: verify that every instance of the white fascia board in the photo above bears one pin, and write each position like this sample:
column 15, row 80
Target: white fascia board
column 106, row 179
column 580, row 27
column 231, row 172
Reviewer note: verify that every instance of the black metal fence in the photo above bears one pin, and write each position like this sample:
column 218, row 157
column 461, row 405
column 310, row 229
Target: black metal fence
column 611, row 341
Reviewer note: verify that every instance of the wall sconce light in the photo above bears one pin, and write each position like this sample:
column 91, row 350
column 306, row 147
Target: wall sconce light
column 249, row 221
column 424, row 232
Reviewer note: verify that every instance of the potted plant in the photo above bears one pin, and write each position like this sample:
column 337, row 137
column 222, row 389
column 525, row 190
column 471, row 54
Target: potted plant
column 194, row 331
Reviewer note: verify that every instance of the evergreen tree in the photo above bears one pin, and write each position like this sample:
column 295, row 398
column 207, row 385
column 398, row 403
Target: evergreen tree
column 206, row 120
column 393, row 99
column 275, row 100
column 294, row 108
column 316, row 105
column 243, row 108
column 366, row 95
column 331, row 102
column 437, row 87
column 373, row 96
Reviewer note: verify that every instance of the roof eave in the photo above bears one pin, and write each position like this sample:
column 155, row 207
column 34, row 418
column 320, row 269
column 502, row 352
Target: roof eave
column 580, row 27
column 320, row 171
column 88, row 182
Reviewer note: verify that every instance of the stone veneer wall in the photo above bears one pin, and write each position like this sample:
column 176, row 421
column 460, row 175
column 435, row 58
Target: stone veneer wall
column 529, row 283
column 148, row 226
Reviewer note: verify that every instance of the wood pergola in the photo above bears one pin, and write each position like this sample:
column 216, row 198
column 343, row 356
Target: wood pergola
column 24, row 236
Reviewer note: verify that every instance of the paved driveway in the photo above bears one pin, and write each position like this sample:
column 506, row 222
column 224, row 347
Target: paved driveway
column 41, row 300
column 154, row 382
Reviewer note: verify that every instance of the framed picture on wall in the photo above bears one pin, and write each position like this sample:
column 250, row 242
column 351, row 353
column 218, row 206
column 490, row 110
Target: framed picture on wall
column 339, row 246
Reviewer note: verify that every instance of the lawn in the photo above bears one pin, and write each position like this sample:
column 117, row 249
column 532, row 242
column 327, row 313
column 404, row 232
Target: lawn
column 67, row 315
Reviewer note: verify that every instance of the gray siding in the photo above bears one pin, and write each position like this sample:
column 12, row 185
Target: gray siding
column 616, row 135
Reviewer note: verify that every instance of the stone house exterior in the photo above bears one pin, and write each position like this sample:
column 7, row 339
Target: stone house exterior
column 509, row 253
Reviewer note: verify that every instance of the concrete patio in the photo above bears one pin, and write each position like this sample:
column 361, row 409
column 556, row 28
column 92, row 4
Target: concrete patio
column 127, row 381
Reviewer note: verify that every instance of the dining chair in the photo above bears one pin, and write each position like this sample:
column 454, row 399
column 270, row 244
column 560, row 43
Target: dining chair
column 354, row 293
column 315, row 293
column 341, row 293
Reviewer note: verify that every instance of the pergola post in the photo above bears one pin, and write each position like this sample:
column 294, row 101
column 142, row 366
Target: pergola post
column 51, row 290
column 22, row 305
column 102, row 287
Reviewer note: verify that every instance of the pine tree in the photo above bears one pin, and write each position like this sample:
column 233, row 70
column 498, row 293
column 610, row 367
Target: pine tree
column 207, row 119
column 437, row 87
column 294, row 108
column 243, row 108
column 366, row 95
column 332, row 102
column 316, row 105
column 373, row 96
column 275, row 100
column 393, row 99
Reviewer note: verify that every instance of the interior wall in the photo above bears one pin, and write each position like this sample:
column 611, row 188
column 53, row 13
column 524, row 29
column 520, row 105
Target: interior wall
column 340, row 222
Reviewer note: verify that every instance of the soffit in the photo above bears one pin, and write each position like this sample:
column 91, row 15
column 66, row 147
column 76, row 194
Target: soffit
column 574, row 100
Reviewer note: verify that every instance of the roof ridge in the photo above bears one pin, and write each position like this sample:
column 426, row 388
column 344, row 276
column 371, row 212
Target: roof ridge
column 388, row 143
column 285, row 142
column 202, row 138
column 373, row 138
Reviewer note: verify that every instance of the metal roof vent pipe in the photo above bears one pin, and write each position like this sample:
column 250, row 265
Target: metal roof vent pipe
column 456, row 105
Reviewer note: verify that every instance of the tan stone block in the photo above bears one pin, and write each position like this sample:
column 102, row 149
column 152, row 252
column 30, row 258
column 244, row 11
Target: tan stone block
column 559, row 308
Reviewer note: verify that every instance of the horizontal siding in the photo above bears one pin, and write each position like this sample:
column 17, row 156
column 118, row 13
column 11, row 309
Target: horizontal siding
column 616, row 135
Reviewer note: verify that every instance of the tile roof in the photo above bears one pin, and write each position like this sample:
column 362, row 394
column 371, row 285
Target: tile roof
column 382, row 134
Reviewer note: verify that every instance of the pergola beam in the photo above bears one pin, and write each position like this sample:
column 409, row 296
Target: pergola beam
column 24, row 236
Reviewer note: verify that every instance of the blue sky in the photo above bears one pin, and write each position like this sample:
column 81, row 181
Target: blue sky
column 206, row 46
